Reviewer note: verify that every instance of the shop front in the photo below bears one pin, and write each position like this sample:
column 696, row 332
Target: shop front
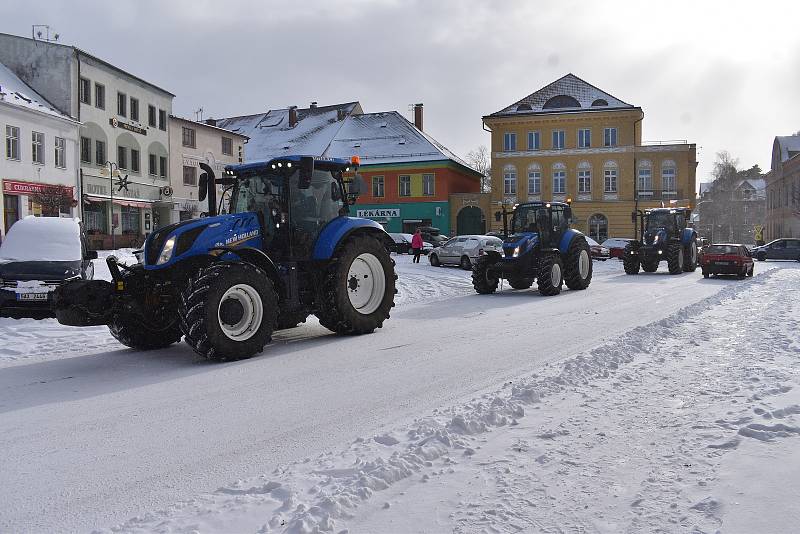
column 406, row 217
column 29, row 198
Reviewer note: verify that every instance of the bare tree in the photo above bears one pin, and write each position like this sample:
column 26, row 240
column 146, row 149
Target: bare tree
column 53, row 199
column 481, row 162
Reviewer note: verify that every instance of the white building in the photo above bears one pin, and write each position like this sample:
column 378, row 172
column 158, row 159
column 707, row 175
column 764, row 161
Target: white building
column 192, row 143
column 40, row 151
column 124, row 121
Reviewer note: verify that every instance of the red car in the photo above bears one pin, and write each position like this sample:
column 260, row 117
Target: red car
column 727, row 259
column 616, row 246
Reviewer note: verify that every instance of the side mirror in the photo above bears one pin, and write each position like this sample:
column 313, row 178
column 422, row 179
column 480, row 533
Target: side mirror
column 91, row 254
column 357, row 185
column 202, row 187
column 336, row 193
column 306, row 172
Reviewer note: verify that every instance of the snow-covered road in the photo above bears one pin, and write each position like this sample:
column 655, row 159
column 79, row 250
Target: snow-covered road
column 93, row 434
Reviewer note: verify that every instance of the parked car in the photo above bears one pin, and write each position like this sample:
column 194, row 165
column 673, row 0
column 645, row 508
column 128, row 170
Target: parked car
column 37, row 255
column 599, row 252
column 402, row 244
column 727, row 259
column 780, row 249
column 616, row 246
column 433, row 235
column 464, row 250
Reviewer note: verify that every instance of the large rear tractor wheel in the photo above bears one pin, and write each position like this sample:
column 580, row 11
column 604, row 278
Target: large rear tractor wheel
column 690, row 253
column 358, row 289
column 551, row 275
column 484, row 282
column 578, row 264
column 630, row 258
column 520, row 283
column 675, row 258
column 228, row 311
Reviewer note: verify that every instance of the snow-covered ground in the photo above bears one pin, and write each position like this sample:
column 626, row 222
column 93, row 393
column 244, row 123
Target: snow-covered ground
column 648, row 403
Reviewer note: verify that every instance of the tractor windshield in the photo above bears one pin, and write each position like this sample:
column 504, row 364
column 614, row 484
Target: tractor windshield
column 529, row 219
column 661, row 219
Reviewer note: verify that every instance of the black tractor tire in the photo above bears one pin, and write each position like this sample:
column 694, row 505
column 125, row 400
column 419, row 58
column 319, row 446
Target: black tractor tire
column 201, row 306
column 133, row 333
column 690, row 257
column 520, row 283
column 578, row 264
column 551, row 274
column 650, row 266
column 483, row 283
column 465, row 263
column 434, row 259
column 630, row 258
column 360, row 265
column 675, row 259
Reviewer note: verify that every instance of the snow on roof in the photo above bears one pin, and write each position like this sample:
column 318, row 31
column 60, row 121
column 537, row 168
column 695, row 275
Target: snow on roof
column 568, row 93
column 42, row 239
column 789, row 146
column 17, row 93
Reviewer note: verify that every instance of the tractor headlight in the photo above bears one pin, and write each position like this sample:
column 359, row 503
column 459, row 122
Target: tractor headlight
column 655, row 239
column 166, row 252
column 515, row 254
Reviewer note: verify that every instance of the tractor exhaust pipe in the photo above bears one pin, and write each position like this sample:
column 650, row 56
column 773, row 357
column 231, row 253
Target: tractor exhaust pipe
column 208, row 187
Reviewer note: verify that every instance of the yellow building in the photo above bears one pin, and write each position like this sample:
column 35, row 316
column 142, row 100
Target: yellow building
column 571, row 141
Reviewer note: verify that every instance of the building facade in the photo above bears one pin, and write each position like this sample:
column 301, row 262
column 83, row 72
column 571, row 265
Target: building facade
column 573, row 142
column 123, row 139
column 783, row 189
column 192, row 143
column 39, row 168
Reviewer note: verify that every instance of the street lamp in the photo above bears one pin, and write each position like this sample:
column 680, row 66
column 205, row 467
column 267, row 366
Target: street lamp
column 112, row 169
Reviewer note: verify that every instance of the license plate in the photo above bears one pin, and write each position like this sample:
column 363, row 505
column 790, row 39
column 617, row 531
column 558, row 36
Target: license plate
column 32, row 296
column 723, row 263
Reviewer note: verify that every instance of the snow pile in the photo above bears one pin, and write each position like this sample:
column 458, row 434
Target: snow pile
column 42, row 239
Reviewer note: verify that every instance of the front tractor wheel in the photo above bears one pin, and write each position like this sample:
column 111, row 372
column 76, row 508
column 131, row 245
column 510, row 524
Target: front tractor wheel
column 675, row 259
column 357, row 291
column 630, row 259
column 551, row 275
column 228, row 311
column 578, row 268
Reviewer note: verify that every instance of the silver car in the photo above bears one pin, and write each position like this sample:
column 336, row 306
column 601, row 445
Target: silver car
column 464, row 250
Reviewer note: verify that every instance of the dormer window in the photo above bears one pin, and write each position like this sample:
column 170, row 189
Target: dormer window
column 600, row 102
column 561, row 101
column 524, row 107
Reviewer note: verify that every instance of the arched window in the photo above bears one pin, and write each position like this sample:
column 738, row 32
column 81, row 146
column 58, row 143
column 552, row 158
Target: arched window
column 610, row 170
column 534, row 179
column 559, row 179
column 645, row 177
column 561, row 101
column 669, row 176
column 584, row 177
column 524, row 107
column 600, row 102
column 510, row 180
column 598, row 227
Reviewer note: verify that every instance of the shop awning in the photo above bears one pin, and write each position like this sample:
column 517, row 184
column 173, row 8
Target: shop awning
column 120, row 201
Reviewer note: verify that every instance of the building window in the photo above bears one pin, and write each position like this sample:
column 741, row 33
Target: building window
column 152, row 164
column 94, row 217
column 151, row 115
column 162, row 167
column 598, row 227
column 99, row 96
column 533, row 141
column 645, row 180
column 135, row 109
column 100, row 152
column 134, row 160
column 610, row 178
column 130, row 220
column 86, row 150
column 610, row 137
column 377, row 186
column 122, row 104
column 584, row 138
column 59, row 158
column 509, row 142
column 12, row 142
column 559, row 182
column 189, row 137
column 227, row 146
column 558, row 139
column 189, row 175
column 37, row 147
column 585, row 181
column 534, row 182
column 510, row 181
column 122, row 157
column 405, row 186
column 162, row 120
column 428, row 188
column 668, row 182
column 85, row 91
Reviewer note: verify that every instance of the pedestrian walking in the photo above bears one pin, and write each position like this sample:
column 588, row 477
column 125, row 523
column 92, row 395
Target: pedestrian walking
column 416, row 246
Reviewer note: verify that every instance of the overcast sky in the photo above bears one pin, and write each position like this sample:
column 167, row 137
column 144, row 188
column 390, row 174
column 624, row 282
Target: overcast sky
column 723, row 75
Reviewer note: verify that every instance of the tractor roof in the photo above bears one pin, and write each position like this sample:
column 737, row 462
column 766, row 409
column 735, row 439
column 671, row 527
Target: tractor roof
column 266, row 165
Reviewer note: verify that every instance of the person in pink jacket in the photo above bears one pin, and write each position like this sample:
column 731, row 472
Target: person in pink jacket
column 416, row 245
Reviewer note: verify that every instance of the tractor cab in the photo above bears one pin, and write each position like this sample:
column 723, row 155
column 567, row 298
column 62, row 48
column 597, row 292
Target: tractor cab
column 548, row 220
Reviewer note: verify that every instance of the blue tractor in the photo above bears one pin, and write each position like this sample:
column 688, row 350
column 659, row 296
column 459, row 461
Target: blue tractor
column 539, row 246
column 284, row 249
column 665, row 236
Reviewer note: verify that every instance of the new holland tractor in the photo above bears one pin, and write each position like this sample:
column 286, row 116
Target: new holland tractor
column 665, row 236
column 539, row 246
column 285, row 249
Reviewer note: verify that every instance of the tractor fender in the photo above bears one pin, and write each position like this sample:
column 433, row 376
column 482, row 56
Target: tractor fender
column 566, row 239
column 339, row 229
column 256, row 257
column 687, row 236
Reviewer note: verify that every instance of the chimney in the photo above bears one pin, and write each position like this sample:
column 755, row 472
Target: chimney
column 418, row 116
column 313, row 105
column 211, row 122
column 292, row 116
